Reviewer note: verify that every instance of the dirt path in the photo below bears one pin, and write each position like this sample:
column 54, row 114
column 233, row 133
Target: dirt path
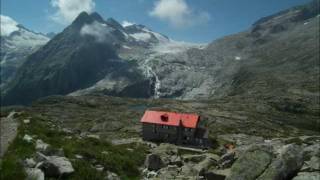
column 8, row 132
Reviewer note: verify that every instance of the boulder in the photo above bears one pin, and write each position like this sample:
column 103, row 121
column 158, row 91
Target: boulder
column 152, row 174
column 169, row 172
column 27, row 138
column 310, row 139
column 216, row 174
column 39, row 157
column 56, row 166
column 226, row 160
column 112, row 176
column 312, row 165
column 154, row 162
column 94, row 136
column 78, row 156
column 29, row 163
column 311, row 150
column 26, row 121
column 213, row 176
column 204, row 165
column 41, row 146
column 188, row 170
column 176, row 160
column 251, row 164
column 193, row 158
column 288, row 163
column 34, row 174
column 307, row 176
column 99, row 168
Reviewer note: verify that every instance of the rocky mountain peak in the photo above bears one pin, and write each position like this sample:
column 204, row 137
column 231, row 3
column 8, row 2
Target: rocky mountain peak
column 113, row 23
column 96, row 16
column 83, row 18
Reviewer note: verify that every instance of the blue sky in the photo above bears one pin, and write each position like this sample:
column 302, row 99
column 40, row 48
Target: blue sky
column 199, row 21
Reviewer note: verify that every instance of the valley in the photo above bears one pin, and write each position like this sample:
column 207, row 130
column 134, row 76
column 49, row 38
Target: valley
column 71, row 103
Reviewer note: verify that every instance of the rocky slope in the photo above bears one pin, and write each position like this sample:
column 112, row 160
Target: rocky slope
column 16, row 45
column 85, row 137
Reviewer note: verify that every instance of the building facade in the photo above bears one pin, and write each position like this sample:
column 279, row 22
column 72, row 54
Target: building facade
column 176, row 128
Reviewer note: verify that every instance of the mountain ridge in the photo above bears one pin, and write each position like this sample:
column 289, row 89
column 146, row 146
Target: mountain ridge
column 189, row 72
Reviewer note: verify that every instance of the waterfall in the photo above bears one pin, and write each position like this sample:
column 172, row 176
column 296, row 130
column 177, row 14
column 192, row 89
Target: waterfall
column 151, row 74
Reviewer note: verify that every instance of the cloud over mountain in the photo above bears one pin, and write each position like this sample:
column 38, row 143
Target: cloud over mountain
column 8, row 25
column 96, row 30
column 68, row 10
column 178, row 13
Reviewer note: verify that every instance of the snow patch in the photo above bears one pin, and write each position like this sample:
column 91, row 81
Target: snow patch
column 126, row 23
column 126, row 47
column 141, row 36
column 161, row 38
column 237, row 58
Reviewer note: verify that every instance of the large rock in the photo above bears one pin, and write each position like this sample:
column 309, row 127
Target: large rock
column 226, row 160
column 56, row 166
column 169, row 172
column 195, row 158
column 208, row 162
column 216, row 174
column 41, row 146
column 310, row 151
column 29, row 163
column 289, row 161
column 27, row 138
column 154, row 162
column 176, row 160
column 213, row 176
column 307, row 176
column 251, row 164
column 168, row 154
column 34, row 174
column 312, row 165
column 112, row 176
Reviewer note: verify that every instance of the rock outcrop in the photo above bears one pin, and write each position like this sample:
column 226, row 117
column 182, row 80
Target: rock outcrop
column 56, row 166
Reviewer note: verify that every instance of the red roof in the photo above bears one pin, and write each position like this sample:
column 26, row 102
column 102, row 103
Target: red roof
column 170, row 118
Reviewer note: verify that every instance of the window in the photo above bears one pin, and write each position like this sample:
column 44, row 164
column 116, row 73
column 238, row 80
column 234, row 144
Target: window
column 186, row 138
column 155, row 129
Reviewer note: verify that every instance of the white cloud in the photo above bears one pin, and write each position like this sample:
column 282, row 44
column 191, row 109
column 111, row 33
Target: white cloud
column 68, row 10
column 96, row 30
column 8, row 25
column 126, row 23
column 178, row 13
